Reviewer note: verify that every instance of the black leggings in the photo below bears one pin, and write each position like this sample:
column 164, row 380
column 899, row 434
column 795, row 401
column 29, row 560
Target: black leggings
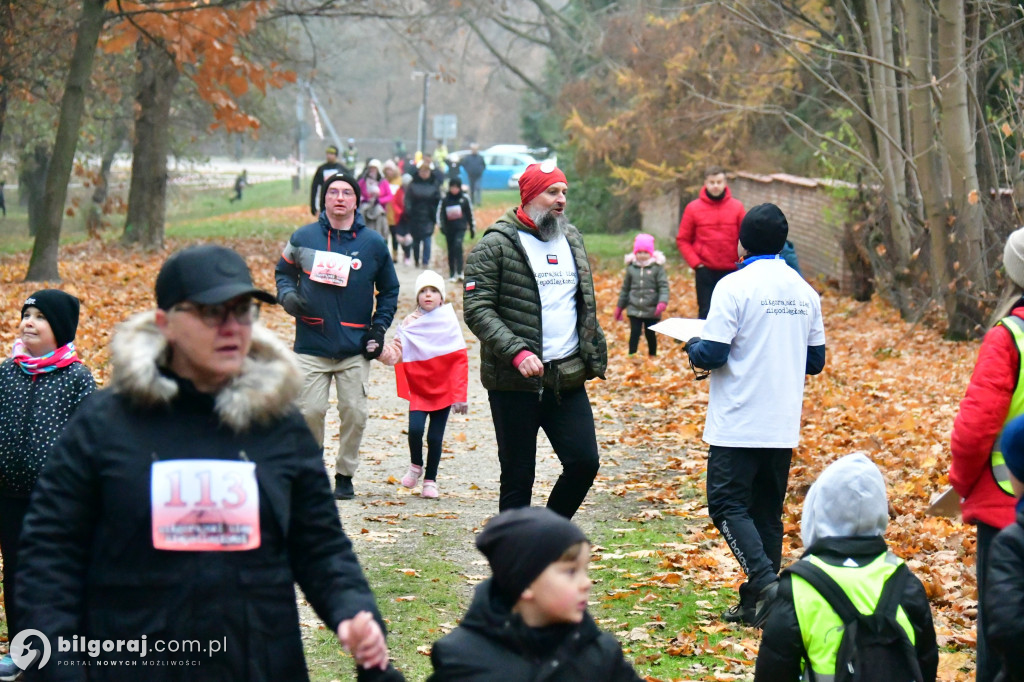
column 435, row 436
column 454, row 239
column 12, row 518
column 635, row 323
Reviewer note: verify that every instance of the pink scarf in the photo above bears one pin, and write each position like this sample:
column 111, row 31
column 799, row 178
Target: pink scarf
column 61, row 357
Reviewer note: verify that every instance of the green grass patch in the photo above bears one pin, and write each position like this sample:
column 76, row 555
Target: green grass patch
column 421, row 598
column 653, row 608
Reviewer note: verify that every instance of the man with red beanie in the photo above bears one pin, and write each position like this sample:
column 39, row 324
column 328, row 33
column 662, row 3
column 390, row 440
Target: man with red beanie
column 529, row 299
column 709, row 234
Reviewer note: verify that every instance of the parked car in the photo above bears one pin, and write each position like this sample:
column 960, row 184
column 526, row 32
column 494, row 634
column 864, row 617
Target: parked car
column 503, row 162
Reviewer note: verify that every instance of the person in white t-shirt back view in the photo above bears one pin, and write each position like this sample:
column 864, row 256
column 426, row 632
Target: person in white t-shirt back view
column 529, row 299
column 763, row 334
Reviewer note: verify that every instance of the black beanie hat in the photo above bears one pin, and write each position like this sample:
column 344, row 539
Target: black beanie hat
column 520, row 543
column 339, row 177
column 59, row 309
column 764, row 230
column 454, row 182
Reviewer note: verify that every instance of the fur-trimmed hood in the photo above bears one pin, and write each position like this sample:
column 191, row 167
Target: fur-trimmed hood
column 656, row 258
column 265, row 390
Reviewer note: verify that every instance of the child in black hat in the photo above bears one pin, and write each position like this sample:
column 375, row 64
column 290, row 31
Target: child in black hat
column 41, row 386
column 1003, row 600
column 531, row 616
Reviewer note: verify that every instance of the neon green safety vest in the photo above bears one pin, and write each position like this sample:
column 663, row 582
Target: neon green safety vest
column 999, row 470
column 821, row 628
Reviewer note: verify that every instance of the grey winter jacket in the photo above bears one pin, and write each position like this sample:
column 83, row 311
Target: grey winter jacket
column 502, row 306
column 644, row 286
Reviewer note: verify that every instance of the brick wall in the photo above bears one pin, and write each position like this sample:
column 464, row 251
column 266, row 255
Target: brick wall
column 815, row 219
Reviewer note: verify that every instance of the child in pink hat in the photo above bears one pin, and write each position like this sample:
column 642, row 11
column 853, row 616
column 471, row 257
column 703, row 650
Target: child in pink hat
column 644, row 294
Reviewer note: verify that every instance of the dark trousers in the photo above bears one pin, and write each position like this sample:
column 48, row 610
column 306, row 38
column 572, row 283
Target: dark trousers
column 474, row 191
column 417, row 242
column 635, row 324
column 706, row 279
column 12, row 518
column 435, row 436
column 454, row 239
column 568, row 422
column 987, row 666
column 746, row 491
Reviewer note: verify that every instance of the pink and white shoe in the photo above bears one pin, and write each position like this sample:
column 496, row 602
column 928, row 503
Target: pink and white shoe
column 430, row 490
column 412, row 477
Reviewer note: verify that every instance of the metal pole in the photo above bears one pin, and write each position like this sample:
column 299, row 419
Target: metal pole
column 423, row 119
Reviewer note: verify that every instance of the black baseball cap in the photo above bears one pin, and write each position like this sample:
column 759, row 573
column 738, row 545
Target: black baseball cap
column 207, row 274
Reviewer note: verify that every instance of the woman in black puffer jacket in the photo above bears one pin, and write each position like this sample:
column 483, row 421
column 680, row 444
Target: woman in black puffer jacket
column 421, row 199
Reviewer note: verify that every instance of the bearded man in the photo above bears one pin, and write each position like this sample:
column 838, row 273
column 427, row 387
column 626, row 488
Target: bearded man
column 529, row 299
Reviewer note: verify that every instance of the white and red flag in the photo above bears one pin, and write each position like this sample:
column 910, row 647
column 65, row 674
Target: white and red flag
column 434, row 371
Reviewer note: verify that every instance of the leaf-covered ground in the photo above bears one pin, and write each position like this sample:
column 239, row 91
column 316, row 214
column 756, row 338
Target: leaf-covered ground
column 889, row 389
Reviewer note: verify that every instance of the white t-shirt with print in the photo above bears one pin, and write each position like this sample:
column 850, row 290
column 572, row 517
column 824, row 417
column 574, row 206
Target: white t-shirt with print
column 769, row 315
column 557, row 280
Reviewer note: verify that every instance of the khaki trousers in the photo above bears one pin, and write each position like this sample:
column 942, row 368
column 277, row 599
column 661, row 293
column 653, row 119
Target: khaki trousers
column 351, row 376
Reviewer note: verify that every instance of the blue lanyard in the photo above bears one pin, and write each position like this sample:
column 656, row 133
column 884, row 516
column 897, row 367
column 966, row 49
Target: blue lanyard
column 750, row 259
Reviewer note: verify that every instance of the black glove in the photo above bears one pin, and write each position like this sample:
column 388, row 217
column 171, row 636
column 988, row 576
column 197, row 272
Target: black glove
column 374, row 333
column 295, row 305
column 472, row 233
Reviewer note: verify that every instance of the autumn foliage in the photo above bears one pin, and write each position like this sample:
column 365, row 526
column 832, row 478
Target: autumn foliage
column 205, row 43
column 889, row 389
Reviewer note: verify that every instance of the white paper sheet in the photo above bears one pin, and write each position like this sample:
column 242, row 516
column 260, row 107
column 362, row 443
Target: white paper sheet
column 681, row 328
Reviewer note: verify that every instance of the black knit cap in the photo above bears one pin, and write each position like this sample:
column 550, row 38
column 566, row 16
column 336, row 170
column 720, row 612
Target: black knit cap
column 60, row 310
column 339, row 177
column 764, row 230
column 520, row 543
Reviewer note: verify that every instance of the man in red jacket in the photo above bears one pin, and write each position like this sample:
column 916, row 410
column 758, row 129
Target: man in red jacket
column 709, row 234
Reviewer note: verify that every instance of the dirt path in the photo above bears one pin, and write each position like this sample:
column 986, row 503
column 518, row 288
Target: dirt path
column 385, row 518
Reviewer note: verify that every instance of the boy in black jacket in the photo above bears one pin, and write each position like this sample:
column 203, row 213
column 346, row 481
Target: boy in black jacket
column 1003, row 607
column 455, row 214
column 844, row 519
column 529, row 621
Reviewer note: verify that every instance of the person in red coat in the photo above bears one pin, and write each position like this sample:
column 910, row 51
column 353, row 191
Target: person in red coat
column 987, row 406
column 709, row 235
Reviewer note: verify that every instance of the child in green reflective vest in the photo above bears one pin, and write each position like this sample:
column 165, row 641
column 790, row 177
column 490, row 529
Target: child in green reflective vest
column 844, row 519
column 1003, row 601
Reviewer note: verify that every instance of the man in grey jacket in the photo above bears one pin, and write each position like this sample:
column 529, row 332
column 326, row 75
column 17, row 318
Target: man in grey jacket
column 529, row 298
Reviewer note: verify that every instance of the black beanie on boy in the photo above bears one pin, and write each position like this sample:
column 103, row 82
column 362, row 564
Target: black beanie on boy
column 764, row 230
column 339, row 177
column 520, row 543
column 59, row 309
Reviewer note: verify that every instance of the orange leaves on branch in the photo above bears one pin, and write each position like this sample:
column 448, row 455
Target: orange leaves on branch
column 205, row 41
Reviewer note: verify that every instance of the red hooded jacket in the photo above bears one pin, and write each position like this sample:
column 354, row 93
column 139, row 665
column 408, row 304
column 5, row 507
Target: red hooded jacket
column 979, row 421
column 710, row 231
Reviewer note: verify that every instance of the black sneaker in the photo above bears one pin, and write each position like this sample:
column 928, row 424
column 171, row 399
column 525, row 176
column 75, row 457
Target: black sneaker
column 343, row 489
column 737, row 613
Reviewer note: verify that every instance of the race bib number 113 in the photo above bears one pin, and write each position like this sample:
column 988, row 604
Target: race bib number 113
column 205, row 505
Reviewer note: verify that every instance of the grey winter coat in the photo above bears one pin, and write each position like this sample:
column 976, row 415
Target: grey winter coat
column 644, row 286
column 502, row 306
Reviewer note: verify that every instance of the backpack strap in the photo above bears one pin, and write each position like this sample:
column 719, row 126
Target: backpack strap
column 828, row 588
column 822, row 582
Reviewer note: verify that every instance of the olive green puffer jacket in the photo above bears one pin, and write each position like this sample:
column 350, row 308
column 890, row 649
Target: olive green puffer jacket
column 502, row 306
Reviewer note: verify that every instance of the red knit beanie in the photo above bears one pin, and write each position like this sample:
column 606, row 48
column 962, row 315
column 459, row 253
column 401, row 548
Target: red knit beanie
column 538, row 177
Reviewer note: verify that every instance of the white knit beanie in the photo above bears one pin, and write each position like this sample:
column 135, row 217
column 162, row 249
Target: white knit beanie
column 1013, row 256
column 429, row 278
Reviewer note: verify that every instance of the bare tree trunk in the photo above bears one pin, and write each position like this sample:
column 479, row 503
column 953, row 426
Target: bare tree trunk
column 94, row 218
column 958, row 137
column 6, row 38
column 147, row 194
column 32, row 184
column 43, row 264
column 925, row 148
